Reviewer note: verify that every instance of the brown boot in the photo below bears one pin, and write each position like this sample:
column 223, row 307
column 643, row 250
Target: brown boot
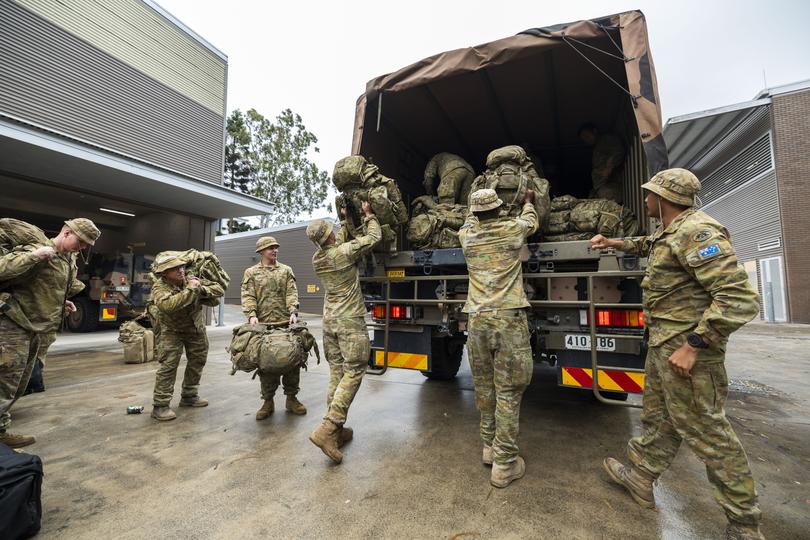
column 325, row 437
column 267, row 409
column 486, row 455
column 636, row 481
column 195, row 401
column 345, row 435
column 13, row 440
column 503, row 475
column 164, row 414
column 738, row 531
column 294, row 406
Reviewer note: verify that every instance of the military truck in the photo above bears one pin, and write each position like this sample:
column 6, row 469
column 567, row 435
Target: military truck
column 534, row 89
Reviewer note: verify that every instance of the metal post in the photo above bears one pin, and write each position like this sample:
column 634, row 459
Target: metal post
column 221, row 312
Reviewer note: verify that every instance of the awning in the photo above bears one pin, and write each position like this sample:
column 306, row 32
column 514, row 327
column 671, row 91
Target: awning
column 689, row 136
column 38, row 155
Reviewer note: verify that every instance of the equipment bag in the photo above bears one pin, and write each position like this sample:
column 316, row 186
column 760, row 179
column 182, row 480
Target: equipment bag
column 202, row 264
column 510, row 173
column 437, row 228
column 139, row 342
column 14, row 232
column 20, row 494
column 271, row 349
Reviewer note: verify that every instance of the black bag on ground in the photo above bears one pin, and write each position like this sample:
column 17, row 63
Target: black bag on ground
column 20, row 494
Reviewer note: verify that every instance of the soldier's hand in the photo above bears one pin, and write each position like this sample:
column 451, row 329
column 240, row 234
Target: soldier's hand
column 683, row 360
column 343, row 211
column 601, row 242
column 253, row 320
column 529, row 198
column 367, row 210
column 293, row 318
column 425, row 200
column 194, row 282
column 45, row 252
column 70, row 307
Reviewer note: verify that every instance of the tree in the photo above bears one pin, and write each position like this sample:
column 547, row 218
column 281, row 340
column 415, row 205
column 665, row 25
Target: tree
column 270, row 160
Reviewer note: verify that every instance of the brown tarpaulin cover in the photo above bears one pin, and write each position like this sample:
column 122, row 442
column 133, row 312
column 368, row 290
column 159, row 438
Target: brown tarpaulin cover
column 537, row 82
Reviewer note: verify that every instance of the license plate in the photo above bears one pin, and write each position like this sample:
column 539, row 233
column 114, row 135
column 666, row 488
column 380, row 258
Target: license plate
column 396, row 273
column 580, row 342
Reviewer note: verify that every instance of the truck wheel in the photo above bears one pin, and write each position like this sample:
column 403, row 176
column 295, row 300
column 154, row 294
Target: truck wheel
column 85, row 319
column 446, row 358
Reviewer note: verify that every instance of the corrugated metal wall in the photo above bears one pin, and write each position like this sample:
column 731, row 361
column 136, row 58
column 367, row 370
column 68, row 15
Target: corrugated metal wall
column 51, row 78
column 238, row 253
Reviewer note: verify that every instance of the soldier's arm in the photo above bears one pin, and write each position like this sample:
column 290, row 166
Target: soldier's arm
column 362, row 245
column 430, row 173
column 542, row 202
column 248, row 294
column 168, row 302
column 713, row 263
column 607, row 155
column 211, row 289
column 528, row 219
column 292, row 292
column 638, row 245
column 17, row 262
column 343, row 233
column 76, row 286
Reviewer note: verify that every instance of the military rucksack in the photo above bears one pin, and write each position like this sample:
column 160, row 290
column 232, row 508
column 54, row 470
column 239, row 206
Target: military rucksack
column 437, row 227
column 581, row 219
column 15, row 233
column 270, row 349
column 139, row 342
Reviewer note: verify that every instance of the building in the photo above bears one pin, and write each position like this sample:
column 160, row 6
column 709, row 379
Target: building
column 114, row 111
column 237, row 252
column 752, row 159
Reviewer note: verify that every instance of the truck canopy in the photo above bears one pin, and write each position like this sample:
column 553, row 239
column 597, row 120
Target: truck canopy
column 534, row 89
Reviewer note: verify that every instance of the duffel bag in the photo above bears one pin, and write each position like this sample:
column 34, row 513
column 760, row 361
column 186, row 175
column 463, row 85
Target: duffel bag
column 20, row 494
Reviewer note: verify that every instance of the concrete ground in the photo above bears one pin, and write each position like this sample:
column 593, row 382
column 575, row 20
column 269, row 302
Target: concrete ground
column 413, row 469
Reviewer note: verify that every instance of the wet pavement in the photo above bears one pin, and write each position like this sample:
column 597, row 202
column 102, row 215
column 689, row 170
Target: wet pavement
column 413, row 469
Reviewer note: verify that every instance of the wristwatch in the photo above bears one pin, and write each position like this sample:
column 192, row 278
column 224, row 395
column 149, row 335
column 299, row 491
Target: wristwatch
column 696, row 341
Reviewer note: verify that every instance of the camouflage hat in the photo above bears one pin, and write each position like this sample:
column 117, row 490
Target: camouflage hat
column 483, row 200
column 265, row 242
column 675, row 185
column 319, row 230
column 85, row 229
column 167, row 262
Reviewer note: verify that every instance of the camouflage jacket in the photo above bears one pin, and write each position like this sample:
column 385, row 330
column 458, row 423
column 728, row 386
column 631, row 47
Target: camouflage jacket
column 443, row 163
column 180, row 309
column 269, row 293
column 492, row 249
column 336, row 267
column 693, row 281
column 37, row 288
column 608, row 154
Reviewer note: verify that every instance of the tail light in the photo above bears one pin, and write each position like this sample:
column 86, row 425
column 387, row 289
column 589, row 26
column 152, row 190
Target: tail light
column 616, row 318
column 395, row 312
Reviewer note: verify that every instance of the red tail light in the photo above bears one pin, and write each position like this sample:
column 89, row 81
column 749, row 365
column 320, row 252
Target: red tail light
column 395, row 311
column 621, row 318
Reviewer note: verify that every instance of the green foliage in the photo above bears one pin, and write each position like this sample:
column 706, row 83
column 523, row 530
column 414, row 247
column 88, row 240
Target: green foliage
column 270, row 160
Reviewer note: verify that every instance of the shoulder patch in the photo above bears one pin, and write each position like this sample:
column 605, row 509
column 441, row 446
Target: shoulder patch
column 700, row 256
column 709, row 251
column 702, row 235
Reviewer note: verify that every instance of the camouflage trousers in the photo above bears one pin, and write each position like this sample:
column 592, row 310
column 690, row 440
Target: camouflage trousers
column 290, row 380
column 170, row 347
column 692, row 409
column 18, row 353
column 347, row 349
column 454, row 186
column 500, row 358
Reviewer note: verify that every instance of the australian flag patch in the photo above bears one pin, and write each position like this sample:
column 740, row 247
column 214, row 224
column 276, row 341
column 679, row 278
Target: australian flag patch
column 709, row 251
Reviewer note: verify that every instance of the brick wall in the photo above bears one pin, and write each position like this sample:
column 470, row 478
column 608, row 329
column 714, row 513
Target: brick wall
column 791, row 120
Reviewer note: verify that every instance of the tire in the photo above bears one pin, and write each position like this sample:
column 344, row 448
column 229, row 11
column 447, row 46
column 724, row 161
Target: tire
column 446, row 355
column 85, row 319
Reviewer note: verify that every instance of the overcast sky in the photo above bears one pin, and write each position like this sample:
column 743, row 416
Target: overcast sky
column 315, row 57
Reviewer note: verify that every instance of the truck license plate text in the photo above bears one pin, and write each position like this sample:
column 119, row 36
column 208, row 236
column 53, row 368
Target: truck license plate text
column 579, row 342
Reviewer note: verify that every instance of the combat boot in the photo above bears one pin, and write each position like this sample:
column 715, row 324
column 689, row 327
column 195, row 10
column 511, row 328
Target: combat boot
column 294, row 406
column 346, row 434
column 636, row 481
column 503, row 475
column 738, row 531
column 486, row 455
column 12, row 440
column 164, row 414
column 195, row 401
column 267, row 409
column 325, row 437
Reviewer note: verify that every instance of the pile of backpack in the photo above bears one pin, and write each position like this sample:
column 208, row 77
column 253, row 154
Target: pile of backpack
column 580, row 219
column 437, row 227
column 271, row 349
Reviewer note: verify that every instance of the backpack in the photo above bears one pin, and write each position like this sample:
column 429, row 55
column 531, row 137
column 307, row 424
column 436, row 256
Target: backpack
column 139, row 342
column 20, row 494
column 510, row 173
column 263, row 348
column 581, row 219
column 14, row 232
column 203, row 264
column 437, row 228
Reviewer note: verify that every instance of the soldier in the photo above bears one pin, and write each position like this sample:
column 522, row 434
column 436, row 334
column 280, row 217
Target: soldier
column 455, row 179
column 269, row 295
column 607, row 158
column 695, row 296
column 498, row 332
column 32, row 308
column 345, row 337
column 178, row 301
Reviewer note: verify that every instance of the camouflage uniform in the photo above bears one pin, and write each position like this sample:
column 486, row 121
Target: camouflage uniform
column 455, row 178
column 269, row 293
column 345, row 336
column 34, row 294
column 182, row 326
column 693, row 284
column 498, row 344
column 608, row 155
